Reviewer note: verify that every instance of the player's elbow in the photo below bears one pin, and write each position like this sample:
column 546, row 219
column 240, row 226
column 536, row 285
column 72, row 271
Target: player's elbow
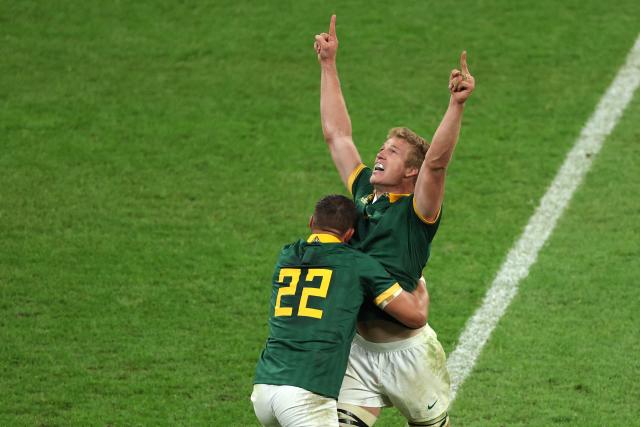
column 330, row 139
column 436, row 164
column 421, row 314
column 333, row 137
column 437, row 160
column 418, row 319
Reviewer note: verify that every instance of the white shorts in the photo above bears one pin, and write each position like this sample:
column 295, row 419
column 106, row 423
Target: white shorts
column 409, row 374
column 289, row 406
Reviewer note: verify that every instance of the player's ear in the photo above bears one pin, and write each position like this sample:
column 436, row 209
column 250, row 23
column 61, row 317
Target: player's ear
column 311, row 222
column 348, row 235
column 411, row 172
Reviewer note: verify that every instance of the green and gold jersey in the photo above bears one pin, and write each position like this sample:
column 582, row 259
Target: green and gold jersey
column 392, row 232
column 318, row 288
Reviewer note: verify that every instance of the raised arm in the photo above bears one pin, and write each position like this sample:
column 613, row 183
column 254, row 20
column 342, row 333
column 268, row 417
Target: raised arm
column 336, row 124
column 411, row 308
column 429, row 190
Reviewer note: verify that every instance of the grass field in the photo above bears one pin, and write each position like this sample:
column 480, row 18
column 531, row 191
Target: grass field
column 154, row 157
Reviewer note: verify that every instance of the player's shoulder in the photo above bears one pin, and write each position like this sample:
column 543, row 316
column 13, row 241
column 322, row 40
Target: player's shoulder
column 406, row 204
column 362, row 260
column 401, row 199
column 290, row 252
column 345, row 252
column 292, row 246
column 358, row 182
column 401, row 204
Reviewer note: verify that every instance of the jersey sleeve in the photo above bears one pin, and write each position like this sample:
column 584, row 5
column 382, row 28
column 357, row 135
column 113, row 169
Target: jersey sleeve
column 358, row 184
column 419, row 215
column 420, row 222
column 379, row 285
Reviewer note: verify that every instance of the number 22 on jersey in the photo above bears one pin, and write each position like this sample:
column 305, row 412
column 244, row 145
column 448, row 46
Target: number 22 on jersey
column 320, row 292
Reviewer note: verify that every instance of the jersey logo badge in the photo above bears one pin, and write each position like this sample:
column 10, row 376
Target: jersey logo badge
column 366, row 199
column 429, row 407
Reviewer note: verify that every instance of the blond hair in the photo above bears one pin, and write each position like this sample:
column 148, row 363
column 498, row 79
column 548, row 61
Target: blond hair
column 419, row 145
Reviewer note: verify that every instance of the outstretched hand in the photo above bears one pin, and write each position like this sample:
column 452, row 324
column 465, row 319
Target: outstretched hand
column 326, row 45
column 461, row 83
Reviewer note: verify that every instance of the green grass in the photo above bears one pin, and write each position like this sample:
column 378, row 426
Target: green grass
column 154, row 157
column 565, row 352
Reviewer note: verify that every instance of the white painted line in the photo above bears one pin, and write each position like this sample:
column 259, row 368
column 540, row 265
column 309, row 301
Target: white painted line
column 524, row 253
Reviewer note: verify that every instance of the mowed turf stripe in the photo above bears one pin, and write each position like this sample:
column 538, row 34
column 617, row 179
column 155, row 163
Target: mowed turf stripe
column 540, row 226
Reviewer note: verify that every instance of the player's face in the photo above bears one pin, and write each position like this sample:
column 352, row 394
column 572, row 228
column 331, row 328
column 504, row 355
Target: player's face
column 390, row 168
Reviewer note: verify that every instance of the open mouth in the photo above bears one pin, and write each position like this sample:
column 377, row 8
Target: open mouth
column 378, row 167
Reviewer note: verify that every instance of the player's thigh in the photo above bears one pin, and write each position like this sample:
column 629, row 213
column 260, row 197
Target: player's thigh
column 262, row 398
column 296, row 407
column 361, row 379
column 417, row 382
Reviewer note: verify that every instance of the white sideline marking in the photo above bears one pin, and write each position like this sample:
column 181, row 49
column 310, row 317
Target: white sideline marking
column 524, row 253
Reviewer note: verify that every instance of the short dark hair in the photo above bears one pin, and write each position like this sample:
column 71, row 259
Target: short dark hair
column 335, row 212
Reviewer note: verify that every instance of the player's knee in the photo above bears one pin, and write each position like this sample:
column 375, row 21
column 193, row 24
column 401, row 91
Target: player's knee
column 441, row 421
column 352, row 415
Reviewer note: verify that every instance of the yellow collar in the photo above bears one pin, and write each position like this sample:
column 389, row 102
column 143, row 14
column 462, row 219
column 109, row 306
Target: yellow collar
column 394, row 197
column 323, row 238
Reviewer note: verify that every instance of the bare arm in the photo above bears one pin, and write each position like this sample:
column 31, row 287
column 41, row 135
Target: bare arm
column 411, row 308
column 429, row 190
column 336, row 124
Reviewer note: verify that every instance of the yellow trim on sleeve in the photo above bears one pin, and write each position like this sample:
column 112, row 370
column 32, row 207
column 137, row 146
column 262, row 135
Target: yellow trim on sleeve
column 387, row 296
column 422, row 218
column 323, row 238
column 353, row 176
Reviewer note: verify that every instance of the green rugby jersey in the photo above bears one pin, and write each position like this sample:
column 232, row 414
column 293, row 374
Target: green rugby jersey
column 392, row 232
column 318, row 288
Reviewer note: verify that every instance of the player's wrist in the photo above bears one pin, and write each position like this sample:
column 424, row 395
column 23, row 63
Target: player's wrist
column 328, row 63
column 456, row 103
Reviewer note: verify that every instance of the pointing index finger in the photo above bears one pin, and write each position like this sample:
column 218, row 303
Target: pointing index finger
column 332, row 26
column 463, row 62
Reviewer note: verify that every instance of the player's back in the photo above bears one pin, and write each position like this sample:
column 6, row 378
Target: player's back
column 316, row 296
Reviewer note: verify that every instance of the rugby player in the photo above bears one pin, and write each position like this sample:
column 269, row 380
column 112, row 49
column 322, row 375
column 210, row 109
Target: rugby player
column 399, row 204
column 319, row 285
